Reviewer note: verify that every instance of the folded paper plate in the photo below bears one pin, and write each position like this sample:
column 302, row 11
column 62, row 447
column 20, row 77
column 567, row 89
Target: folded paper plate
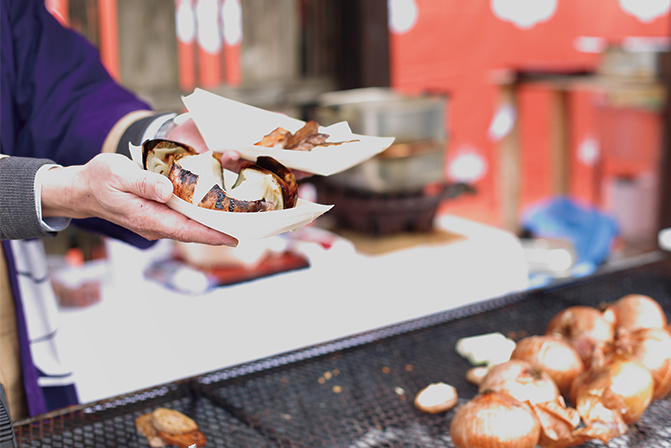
column 230, row 125
column 245, row 226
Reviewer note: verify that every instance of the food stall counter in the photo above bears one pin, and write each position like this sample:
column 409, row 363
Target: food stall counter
column 142, row 334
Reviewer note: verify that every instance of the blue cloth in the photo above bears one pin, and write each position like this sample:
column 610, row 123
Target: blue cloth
column 589, row 230
column 57, row 102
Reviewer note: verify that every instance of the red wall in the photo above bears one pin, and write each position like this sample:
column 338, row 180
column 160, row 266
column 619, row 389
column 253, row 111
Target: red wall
column 454, row 46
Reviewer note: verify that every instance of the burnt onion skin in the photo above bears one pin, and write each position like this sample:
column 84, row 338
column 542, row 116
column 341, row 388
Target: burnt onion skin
column 553, row 355
column 585, row 328
column 165, row 151
column 635, row 311
column 160, row 156
column 494, row 420
column 289, row 184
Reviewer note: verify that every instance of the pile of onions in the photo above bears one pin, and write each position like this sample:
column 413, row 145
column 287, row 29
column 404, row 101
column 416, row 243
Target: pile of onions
column 612, row 396
column 522, row 381
column 610, row 364
column 651, row 346
column 494, row 420
column 635, row 311
column 585, row 327
column 553, row 355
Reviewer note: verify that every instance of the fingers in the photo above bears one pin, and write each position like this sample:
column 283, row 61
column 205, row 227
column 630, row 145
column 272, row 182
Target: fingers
column 231, row 160
column 156, row 221
column 130, row 178
column 153, row 186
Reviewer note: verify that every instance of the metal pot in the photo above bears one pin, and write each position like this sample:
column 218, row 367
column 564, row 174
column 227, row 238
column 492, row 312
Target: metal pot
column 402, row 168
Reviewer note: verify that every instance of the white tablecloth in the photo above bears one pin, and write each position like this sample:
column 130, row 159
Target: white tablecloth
column 142, row 334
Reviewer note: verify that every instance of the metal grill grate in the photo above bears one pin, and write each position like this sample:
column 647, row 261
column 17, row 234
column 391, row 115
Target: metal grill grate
column 356, row 392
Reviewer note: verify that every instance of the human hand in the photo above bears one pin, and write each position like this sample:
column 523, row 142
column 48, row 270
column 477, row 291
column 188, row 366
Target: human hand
column 114, row 188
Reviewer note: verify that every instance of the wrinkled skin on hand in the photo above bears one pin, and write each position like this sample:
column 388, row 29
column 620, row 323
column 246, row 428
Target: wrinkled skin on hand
column 114, row 188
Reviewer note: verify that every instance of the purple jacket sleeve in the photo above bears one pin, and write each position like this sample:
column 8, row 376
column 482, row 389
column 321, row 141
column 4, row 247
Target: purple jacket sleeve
column 57, row 100
column 64, row 101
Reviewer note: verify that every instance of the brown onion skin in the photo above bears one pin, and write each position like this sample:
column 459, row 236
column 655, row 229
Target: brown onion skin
column 552, row 354
column 651, row 346
column 614, row 379
column 522, row 381
column 494, row 420
column 585, row 328
column 635, row 311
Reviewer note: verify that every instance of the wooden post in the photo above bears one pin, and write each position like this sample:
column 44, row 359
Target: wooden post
column 208, row 13
column 185, row 22
column 665, row 157
column 559, row 141
column 231, row 18
column 509, row 160
column 109, row 36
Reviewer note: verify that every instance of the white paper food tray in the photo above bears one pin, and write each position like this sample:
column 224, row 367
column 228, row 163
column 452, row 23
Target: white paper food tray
column 230, row 125
column 245, row 226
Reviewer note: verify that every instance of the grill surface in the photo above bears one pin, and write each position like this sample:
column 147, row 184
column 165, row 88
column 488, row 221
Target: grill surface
column 358, row 391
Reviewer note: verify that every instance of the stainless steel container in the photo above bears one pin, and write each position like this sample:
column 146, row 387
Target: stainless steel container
column 385, row 113
column 416, row 158
column 402, row 168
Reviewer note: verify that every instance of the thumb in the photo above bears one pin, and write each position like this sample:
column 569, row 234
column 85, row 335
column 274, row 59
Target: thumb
column 162, row 189
column 152, row 186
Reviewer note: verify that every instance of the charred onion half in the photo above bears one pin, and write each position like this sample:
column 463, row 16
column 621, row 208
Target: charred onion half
column 585, row 328
column 198, row 179
column 494, row 420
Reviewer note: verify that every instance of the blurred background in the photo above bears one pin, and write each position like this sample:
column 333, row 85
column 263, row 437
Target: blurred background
column 502, row 106
column 531, row 147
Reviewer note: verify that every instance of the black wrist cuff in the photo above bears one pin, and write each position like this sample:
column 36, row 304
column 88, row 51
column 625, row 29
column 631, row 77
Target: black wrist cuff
column 134, row 134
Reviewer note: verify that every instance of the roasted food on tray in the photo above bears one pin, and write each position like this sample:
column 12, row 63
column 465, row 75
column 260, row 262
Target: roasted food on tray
column 167, row 427
column 199, row 179
column 305, row 139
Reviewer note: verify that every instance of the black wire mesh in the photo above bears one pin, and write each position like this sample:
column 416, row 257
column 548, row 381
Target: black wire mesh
column 356, row 392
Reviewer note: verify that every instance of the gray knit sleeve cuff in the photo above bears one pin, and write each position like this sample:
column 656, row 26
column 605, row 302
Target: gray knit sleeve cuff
column 18, row 215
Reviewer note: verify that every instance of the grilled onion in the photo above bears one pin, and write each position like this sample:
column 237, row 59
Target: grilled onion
column 552, row 354
column 494, row 420
column 522, row 381
column 651, row 346
column 193, row 176
column 635, row 311
column 158, row 155
column 585, row 328
column 198, row 179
